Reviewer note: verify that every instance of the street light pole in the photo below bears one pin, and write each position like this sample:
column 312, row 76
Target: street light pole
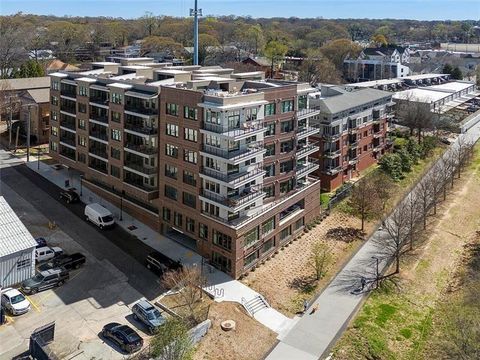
column 38, row 158
column 121, row 206
column 81, row 178
column 376, row 271
column 28, row 134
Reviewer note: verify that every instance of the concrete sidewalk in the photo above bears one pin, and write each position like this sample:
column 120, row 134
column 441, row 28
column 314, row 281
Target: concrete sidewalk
column 221, row 286
column 313, row 335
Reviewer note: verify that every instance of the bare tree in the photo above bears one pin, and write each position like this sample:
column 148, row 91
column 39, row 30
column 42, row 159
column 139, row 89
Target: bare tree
column 188, row 281
column 397, row 226
column 413, row 208
column 434, row 180
column 415, row 114
column 364, row 199
column 424, row 193
column 383, row 187
column 320, row 258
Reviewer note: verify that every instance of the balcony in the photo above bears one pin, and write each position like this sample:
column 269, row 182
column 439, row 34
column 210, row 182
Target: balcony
column 248, row 129
column 233, row 179
column 309, row 112
column 99, row 99
column 245, row 152
column 306, row 131
column 140, row 109
column 307, row 167
column 98, row 165
column 306, row 149
column 353, row 160
column 331, row 170
column 102, row 118
column 141, row 129
column 140, row 185
column 68, row 140
column 331, row 137
column 141, row 148
column 332, row 154
column 68, row 123
column 141, row 168
column 98, row 151
column 70, row 92
column 234, row 202
column 98, row 134
column 68, row 108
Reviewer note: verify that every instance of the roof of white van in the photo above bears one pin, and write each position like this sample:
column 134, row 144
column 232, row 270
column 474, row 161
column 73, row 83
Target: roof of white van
column 99, row 209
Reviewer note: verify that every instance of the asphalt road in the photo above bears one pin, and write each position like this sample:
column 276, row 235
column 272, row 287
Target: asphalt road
column 124, row 251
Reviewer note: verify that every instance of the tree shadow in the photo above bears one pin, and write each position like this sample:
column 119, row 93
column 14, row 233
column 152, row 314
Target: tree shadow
column 305, row 284
column 345, row 234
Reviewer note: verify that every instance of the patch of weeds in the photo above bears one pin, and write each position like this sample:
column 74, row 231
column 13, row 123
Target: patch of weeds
column 377, row 347
column 423, row 264
column 385, row 313
column 406, row 333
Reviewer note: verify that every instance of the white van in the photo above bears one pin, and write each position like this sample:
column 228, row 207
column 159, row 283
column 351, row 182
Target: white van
column 99, row 215
column 46, row 253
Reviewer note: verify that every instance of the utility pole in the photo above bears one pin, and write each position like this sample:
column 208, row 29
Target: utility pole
column 195, row 12
column 28, row 134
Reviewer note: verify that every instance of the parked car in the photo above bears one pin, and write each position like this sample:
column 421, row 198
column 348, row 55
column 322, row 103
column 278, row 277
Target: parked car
column 124, row 336
column 99, row 215
column 46, row 253
column 159, row 263
column 148, row 314
column 14, row 301
column 41, row 242
column 70, row 196
column 45, row 280
column 68, row 262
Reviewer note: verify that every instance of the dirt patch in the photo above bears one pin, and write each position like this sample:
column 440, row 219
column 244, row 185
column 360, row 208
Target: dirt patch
column 288, row 279
column 249, row 340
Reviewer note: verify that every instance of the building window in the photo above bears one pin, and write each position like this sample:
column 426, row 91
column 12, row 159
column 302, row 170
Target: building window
column 286, row 126
column 166, row 215
column 270, row 149
column 189, row 200
column 286, row 186
column 116, row 98
column 269, row 190
column 212, row 140
column 270, row 170
column 116, row 116
column 190, row 113
column 211, row 209
column 270, row 109
column 221, row 261
column 302, row 102
column 170, row 192
column 212, row 186
column 286, row 166
column 116, row 135
column 55, row 85
column 190, row 156
column 82, row 124
column 23, row 263
column 171, row 150
column 81, row 157
column 189, row 178
column 115, row 171
column 222, row 240
column 286, row 146
column 172, row 130
column 285, row 233
column 203, row 231
column 250, row 258
column 190, row 225
column 54, row 100
column 53, row 146
column 268, row 226
column 82, row 108
column 54, row 115
column 267, row 245
column 171, row 171
column 54, row 130
column 299, row 223
column 115, row 153
column 270, row 129
column 287, row 106
column 83, row 90
column 190, row 134
column 82, row 141
column 212, row 117
column 177, row 219
column 252, row 237
column 172, row 109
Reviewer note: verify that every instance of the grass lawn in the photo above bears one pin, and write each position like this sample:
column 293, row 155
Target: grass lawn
column 396, row 322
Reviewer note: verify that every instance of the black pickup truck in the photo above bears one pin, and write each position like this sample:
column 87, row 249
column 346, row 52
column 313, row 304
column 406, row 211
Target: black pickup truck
column 69, row 262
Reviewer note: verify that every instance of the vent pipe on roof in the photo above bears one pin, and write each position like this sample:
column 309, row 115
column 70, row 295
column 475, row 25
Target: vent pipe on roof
column 195, row 12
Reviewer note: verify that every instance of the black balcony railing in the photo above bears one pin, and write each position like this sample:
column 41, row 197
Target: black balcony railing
column 246, row 128
column 248, row 194
column 103, row 118
column 69, row 109
column 144, row 149
column 307, row 112
column 232, row 178
column 140, row 109
column 70, row 92
column 249, row 150
column 306, row 167
column 68, row 140
column 306, row 148
column 102, row 135
column 141, row 128
column 99, row 152
column 69, row 124
column 99, row 99
column 307, row 130
column 140, row 167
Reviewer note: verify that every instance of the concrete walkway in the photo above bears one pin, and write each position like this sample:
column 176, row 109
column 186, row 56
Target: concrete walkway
column 313, row 335
column 221, row 286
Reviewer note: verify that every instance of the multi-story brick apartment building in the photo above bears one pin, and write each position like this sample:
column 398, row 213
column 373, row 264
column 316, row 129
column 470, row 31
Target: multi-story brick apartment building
column 353, row 126
column 218, row 161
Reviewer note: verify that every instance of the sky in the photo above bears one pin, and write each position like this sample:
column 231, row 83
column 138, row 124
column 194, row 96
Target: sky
column 393, row 9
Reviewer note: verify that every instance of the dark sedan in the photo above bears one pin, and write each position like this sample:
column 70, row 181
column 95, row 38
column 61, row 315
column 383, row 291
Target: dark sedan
column 124, row 336
column 70, row 196
column 69, row 262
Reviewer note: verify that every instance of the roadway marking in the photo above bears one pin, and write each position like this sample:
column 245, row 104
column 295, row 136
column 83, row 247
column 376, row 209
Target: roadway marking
column 51, row 292
column 33, row 303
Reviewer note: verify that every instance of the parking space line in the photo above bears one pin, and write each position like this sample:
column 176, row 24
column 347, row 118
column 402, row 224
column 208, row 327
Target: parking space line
column 33, row 303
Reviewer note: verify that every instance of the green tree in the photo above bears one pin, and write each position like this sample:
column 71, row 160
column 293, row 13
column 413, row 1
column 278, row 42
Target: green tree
column 205, row 42
column 161, row 44
column 457, row 73
column 31, row 68
column 413, row 149
column 391, row 164
column 477, row 75
column 447, row 69
column 275, row 51
column 406, row 160
column 172, row 341
column 337, row 50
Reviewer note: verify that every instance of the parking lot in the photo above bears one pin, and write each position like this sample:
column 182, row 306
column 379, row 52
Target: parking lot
column 96, row 294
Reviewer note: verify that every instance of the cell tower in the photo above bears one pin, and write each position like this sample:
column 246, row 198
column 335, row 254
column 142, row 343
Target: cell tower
column 195, row 12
